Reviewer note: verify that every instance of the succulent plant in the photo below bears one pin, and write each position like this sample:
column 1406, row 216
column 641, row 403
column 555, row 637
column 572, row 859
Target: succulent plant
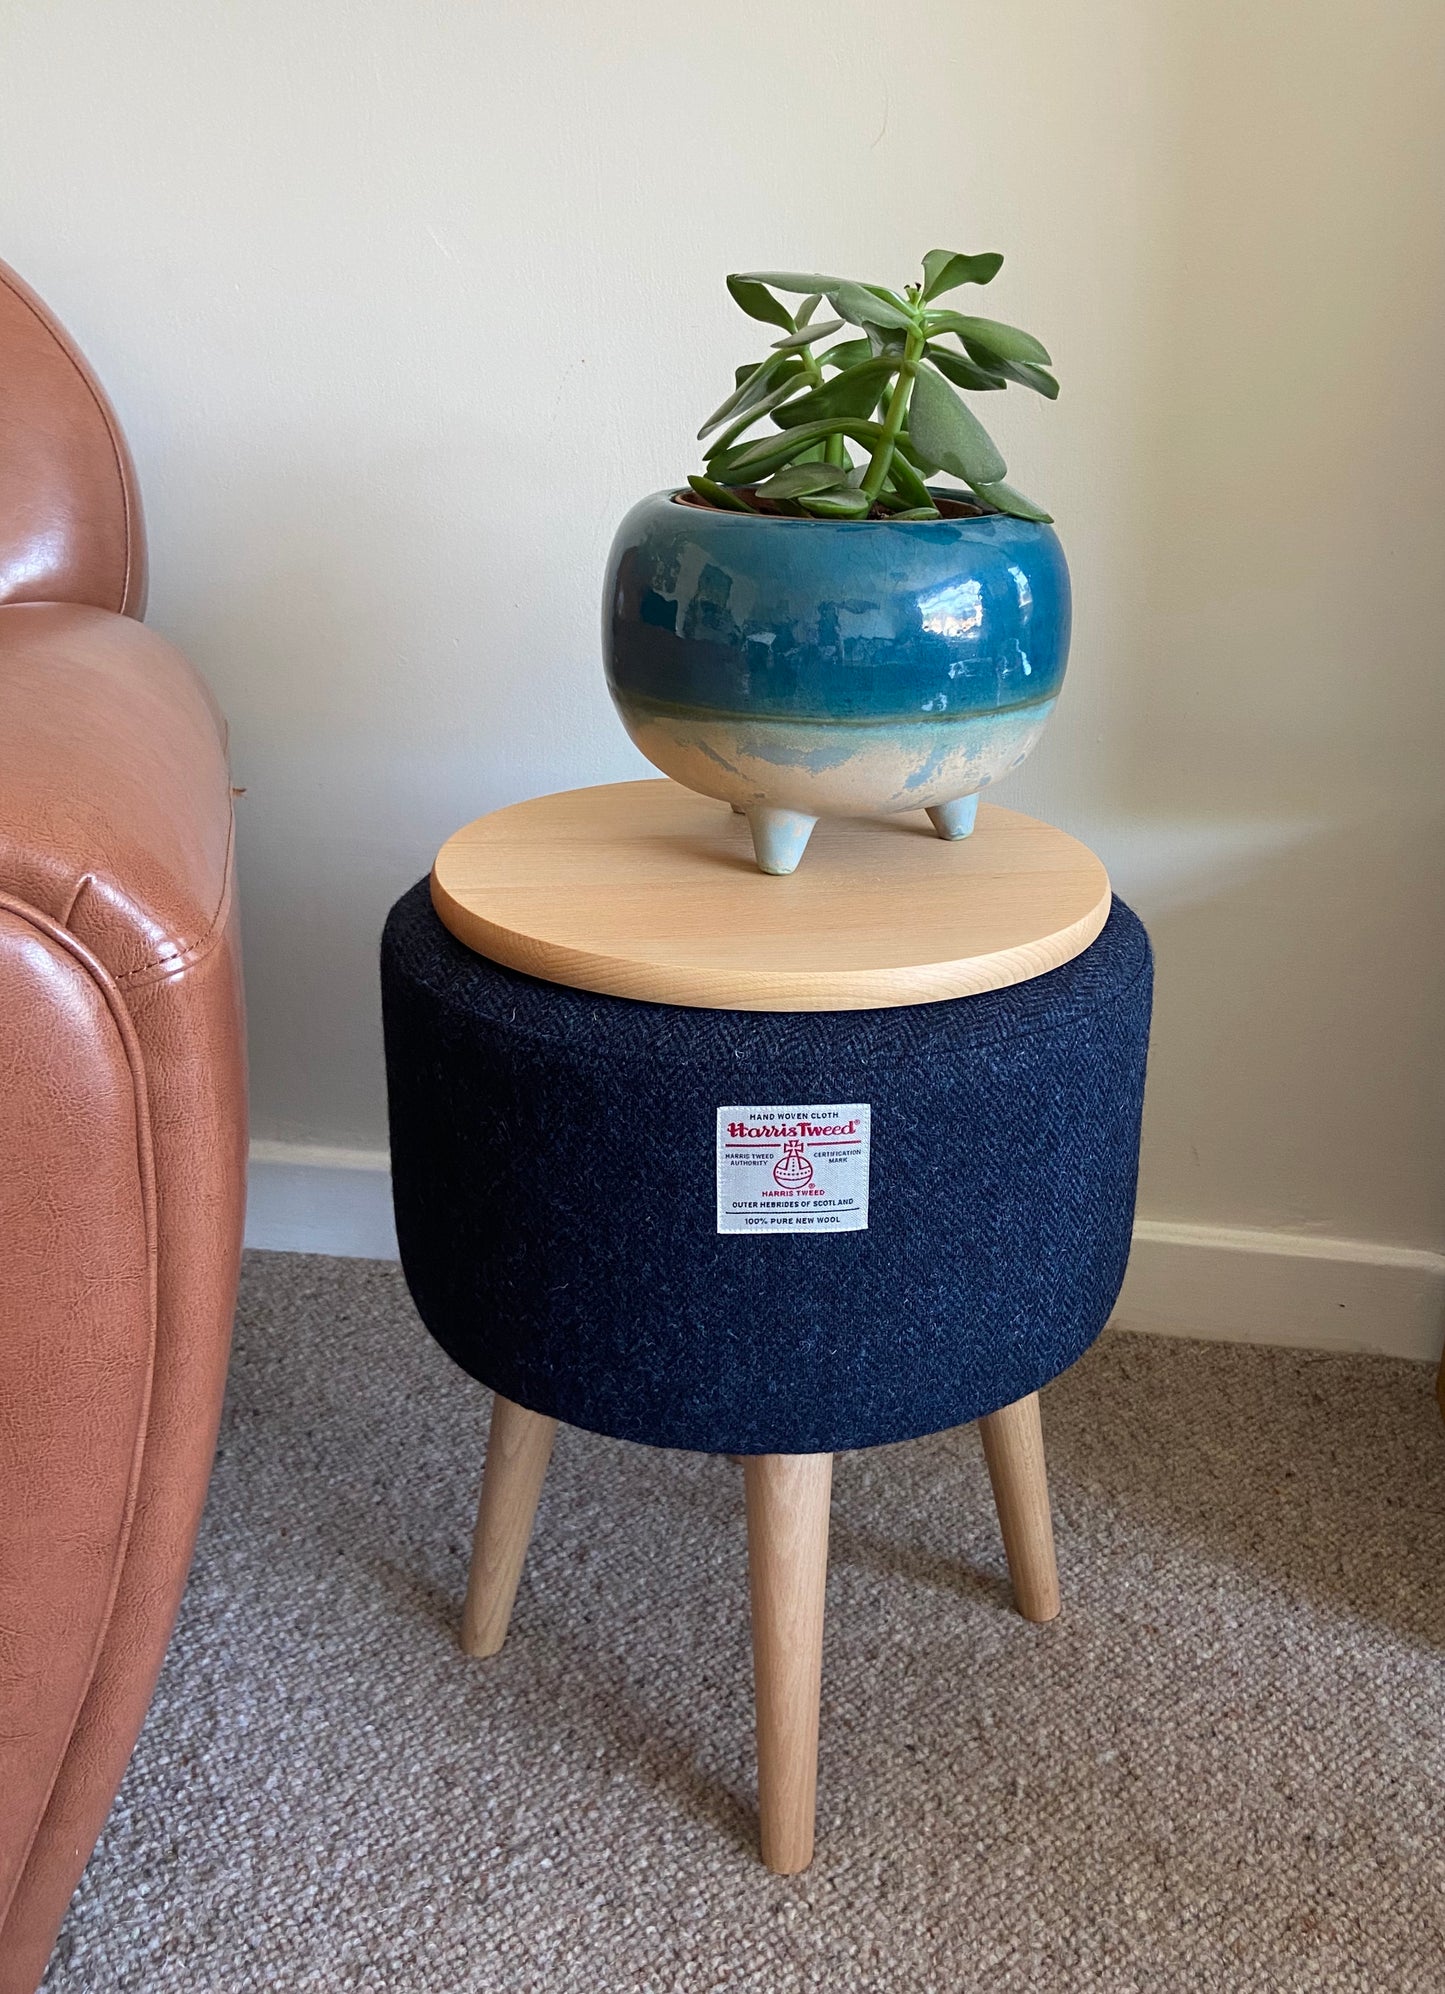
column 889, row 388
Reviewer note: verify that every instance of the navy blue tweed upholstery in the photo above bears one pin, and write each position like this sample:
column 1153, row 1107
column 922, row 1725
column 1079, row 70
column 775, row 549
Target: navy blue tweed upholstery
column 554, row 1170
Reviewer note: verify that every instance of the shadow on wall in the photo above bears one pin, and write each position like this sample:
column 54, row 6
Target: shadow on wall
column 1296, row 1077
column 1298, row 419
column 363, row 697
column 1291, row 667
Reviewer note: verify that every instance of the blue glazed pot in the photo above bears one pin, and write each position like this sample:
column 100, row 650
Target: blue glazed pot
column 800, row 668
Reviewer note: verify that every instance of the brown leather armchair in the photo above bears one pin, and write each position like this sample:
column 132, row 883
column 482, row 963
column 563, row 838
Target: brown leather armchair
column 122, row 1122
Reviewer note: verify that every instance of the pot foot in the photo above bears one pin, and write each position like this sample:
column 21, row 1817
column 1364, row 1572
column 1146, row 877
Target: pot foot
column 954, row 820
column 780, row 837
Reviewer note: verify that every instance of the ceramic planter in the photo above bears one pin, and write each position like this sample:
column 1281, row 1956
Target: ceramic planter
column 800, row 668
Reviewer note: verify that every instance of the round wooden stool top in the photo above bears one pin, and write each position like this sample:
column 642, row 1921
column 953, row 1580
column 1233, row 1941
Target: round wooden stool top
column 646, row 890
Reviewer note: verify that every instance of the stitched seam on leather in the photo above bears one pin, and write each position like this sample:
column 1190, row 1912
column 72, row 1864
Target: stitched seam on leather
column 145, row 1171
column 67, row 917
column 82, row 374
column 165, row 966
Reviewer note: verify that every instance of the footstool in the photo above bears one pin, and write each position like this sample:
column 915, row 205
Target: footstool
column 756, row 1230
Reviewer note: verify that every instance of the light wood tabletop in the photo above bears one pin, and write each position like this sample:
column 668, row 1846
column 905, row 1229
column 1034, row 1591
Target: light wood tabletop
column 647, row 890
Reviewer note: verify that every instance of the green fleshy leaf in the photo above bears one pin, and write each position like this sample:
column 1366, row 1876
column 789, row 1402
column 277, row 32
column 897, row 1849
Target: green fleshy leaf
column 806, row 335
column 1003, row 498
column 767, row 375
column 906, row 481
column 1038, row 378
column 853, row 392
column 743, row 377
column 950, row 434
column 886, row 339
column 754, row 412
column 769, row 453
column 806, row 310
column 759, row 376
column 919, row 512
column 862, row 429
column 1009, row 342
column 860, row 306
column 847, row 353
column 717, row 494
column 758, row 302
column 946, row 269
column 848, row 503
column 760, row 458
column 790, row 280
column 802, row 481
column 967, row 373
column 910, row 452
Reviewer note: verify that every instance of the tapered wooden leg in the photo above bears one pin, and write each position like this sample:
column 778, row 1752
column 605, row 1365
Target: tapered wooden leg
column 787, row 1498
column 1013, row 1445
column 519, row 1447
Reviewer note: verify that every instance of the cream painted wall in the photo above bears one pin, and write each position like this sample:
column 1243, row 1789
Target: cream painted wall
column 403, row 301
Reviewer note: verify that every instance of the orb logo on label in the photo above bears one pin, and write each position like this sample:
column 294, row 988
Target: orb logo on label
column 793, row 1170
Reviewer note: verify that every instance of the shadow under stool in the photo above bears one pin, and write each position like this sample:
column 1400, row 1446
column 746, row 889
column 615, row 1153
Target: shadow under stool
column 557, row 1156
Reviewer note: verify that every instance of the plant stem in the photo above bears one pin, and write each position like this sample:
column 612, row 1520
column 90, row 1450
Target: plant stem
column 833, row 449
column 883, row 450
column 811, row 368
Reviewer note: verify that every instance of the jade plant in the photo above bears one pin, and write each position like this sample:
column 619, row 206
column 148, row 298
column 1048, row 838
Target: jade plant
column 888, row 390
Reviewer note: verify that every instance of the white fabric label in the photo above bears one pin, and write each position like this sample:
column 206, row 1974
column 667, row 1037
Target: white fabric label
column 793, row 1169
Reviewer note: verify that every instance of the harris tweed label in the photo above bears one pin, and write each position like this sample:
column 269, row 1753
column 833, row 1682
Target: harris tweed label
column 798, row 1169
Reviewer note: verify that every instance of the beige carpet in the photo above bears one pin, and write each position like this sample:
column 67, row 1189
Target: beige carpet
column 1224, row 1768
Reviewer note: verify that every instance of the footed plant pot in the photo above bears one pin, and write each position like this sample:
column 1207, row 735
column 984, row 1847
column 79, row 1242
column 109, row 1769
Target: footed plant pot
column 803, row 668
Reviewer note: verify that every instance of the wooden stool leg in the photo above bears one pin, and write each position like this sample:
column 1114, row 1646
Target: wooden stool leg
column 1013, row 1445
column 787, row 1499
column 519, row 1447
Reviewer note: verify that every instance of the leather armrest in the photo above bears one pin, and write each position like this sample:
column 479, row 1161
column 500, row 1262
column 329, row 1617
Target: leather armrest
column 115, row 802
column 122, row 1185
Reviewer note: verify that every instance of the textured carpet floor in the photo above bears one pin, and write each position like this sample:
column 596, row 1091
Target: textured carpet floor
column 1223, row 1768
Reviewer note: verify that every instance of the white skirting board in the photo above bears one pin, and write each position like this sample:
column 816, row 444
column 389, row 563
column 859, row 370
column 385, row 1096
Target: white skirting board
column 305, row 1199
column 1237, row 1286
column 1227, row 1285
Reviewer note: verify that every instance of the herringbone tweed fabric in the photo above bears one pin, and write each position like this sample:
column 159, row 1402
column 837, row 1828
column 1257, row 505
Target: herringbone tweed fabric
column 553, row 1156
column 1222, row 1771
